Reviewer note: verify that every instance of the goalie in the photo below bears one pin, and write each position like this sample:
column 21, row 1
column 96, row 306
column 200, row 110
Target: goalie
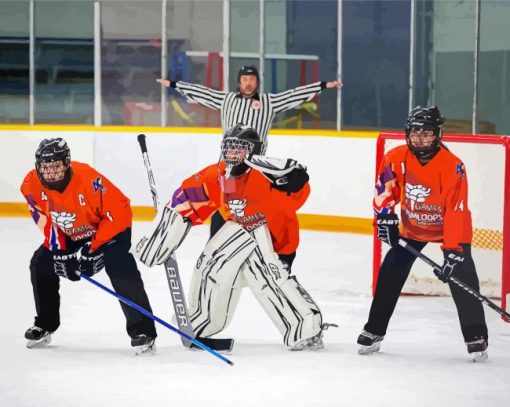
column 259, row 199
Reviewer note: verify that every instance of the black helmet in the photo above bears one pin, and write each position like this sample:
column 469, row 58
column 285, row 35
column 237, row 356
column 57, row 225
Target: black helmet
column 248, row 70
column 50, row 150
column 239, row 138
column 425, row 118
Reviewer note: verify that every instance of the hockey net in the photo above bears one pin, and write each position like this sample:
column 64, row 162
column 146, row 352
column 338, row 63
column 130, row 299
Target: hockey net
column 487, row 161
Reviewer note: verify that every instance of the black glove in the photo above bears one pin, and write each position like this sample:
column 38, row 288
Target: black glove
column 294, row 181
column 65, row 264
column 91, row 263
column 387, row 228
column 452, row 259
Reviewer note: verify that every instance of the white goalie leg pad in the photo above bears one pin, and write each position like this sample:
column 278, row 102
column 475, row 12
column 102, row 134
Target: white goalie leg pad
column 168, row 231
column 289, row 306
column 217, row 282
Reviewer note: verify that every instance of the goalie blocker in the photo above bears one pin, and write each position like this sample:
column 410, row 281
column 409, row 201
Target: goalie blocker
column 169, row 230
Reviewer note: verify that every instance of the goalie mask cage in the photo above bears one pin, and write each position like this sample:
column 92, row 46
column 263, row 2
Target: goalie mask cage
column 487, row 161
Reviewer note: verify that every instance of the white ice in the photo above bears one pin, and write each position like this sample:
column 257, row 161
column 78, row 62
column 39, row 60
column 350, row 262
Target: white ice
column 423, row 360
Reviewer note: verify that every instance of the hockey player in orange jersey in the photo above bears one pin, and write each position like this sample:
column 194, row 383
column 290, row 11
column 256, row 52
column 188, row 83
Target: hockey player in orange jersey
column 259, row 202
column 430, row 184
column 86, row 224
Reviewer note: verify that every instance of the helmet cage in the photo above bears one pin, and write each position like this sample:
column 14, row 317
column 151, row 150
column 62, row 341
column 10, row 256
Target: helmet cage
column 235, row 150
column 53, row 151
column 428, row 118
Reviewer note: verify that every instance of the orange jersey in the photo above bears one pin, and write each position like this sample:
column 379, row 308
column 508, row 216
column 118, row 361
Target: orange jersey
column 90, row 207
column 433, row 197
column 252, row 202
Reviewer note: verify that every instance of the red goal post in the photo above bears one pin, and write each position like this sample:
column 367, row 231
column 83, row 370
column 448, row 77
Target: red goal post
column 487, row 161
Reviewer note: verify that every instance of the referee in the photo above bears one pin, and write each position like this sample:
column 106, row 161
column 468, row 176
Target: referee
column 249, row 107
column 246, row 105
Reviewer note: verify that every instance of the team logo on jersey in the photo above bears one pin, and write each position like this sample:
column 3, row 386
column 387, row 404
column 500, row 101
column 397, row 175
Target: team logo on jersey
column 98, row 185
column 64, row 220
column 255, row 104
column 460, row 169
column 416, row 194
column 237, row 206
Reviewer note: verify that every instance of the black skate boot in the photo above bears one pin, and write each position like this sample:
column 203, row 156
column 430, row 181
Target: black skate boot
column 37, row 337
column 143, row 344
column 477, row 349
column 369, row 342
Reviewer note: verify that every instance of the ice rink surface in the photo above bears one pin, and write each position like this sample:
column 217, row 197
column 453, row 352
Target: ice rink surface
column 423, row 360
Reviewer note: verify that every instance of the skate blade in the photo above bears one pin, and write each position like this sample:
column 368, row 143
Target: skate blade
column 40, row 343
column 314, row 348
column 479, row 357
column 309, row 348
column 145, row 350
column 367, row 350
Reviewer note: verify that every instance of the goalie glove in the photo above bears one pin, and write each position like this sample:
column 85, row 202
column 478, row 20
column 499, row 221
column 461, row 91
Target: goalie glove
column 285, row 174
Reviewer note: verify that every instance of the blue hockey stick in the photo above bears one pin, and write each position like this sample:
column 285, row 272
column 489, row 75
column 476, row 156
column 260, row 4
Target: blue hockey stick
column 155, row 318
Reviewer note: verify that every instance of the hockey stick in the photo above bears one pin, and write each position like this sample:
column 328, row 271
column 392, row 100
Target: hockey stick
column 156, row 319
column 174, row 279
column 437, row 268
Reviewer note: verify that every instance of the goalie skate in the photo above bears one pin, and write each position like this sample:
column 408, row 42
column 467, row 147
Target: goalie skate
column 315, row 342
column 369, row 342
column 37, row 337
column 143, row 345
column 477, row 350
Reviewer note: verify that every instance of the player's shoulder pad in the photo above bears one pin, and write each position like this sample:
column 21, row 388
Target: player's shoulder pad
column 211, row 171
column 397, row 152
column 454, row 165
column 32, row 175
column 89, row 176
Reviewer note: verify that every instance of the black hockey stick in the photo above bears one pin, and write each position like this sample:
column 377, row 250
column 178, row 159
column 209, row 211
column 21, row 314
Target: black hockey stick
column 437, row 268
column 174, row 279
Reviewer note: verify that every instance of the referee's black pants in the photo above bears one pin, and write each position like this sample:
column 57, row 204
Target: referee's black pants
column 392, row 276
column 121, row 268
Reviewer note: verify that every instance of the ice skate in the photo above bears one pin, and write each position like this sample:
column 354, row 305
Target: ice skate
column 313, row 343
column 144, row 345
column 369, row 342
column 477, row 350
column 37, row 337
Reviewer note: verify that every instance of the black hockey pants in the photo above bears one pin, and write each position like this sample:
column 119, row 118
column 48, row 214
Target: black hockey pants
column 392, row 276
column 121, row 268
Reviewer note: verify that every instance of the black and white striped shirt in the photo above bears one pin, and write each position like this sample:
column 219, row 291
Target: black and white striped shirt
column 257, row 111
